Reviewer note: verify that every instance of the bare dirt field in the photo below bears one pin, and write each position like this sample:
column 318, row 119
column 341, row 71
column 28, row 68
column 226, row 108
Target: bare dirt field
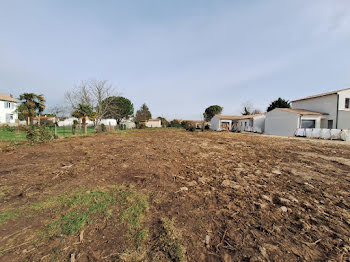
column 172, row 195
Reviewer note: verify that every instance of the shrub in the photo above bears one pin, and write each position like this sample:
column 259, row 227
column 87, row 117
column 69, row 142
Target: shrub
column 142, row 126
column 175, row 123
column 48, row 123
column 74, row 126
column 7, row 128
column 38, row 134
column 189, row 126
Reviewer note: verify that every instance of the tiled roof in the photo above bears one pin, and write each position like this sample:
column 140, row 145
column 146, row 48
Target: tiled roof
column 7, row 98
column 228, row 117
column 301, row 111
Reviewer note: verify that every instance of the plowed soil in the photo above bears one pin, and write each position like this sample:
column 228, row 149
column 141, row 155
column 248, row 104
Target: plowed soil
column 231, row 197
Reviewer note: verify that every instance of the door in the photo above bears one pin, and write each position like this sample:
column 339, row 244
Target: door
column 330, row 124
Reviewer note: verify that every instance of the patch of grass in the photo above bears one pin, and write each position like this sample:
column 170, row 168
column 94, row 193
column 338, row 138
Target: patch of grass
column 81, row 206
column 7, row 135
column 171, row 241
column 134, row 213
column 8, row 214
column 70, row 212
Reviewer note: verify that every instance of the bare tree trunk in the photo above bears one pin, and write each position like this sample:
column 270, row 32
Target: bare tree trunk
column 85, row 126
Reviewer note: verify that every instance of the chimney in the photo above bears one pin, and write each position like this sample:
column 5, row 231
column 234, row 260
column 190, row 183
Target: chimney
column 11, row 95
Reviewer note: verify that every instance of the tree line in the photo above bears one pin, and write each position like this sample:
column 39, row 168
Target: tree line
column 98, row 99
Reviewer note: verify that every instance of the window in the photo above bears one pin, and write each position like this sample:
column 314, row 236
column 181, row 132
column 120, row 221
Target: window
column 11, row 116
column 330, row 124
column 7, row 105
column 347, row 102
column 308, row 123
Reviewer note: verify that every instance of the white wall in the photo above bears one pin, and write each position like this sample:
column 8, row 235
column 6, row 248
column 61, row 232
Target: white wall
column 4, row 111
column 244, row 123
column 108, row 122
column 215, row 123
column 342, row 95
column 344, row 119
column 153, row 123
column 324, row 104
column 282, row 123
column 343, row 113
column 259, row 122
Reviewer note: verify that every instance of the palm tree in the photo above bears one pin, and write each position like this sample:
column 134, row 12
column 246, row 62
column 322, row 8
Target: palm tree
column 83, row 111
column 31, row 105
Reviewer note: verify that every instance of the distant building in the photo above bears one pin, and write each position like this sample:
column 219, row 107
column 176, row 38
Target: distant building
column 153, row 123
column 8, row 109
column 249, row 123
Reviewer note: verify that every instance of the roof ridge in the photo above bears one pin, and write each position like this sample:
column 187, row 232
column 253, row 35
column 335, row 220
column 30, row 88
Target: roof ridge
column 321, row 94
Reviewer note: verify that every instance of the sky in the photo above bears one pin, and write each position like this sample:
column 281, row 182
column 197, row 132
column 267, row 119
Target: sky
column 179, row 56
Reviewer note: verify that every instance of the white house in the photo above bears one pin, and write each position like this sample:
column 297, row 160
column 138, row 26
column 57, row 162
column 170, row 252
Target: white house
column 336, row 104
column 8, row 109
column 224, row 122
column 252, row 123
column 154, row 123
column 285, row 121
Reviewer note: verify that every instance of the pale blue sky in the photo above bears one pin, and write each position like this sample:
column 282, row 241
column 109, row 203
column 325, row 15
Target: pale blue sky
column 177, row 56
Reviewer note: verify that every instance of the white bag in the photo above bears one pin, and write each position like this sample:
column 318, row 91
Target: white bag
column 335, row 133
column 316, row 132
column 300, row 132
column 345, row 135
column 325, row 133
column 308, row 132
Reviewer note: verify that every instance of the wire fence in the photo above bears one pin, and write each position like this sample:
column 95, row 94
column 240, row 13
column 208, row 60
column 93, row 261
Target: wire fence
column 18, row 133
column 66, row 131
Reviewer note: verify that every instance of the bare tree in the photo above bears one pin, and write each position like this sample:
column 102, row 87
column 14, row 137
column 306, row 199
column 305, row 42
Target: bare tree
column 248, row 109
column 59, row 113
column 93, row 93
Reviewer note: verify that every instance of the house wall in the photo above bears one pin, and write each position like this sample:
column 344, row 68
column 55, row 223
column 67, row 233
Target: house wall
column 282, row 123
column 342, row 95
column 324, row 104
column 215, row 123
column 244, row 123
column 259, row 122
column 343, row 113
column 5, row 111
column 154, row 124
column 344, row 119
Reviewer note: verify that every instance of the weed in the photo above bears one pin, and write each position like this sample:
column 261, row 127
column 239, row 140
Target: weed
column 170, row 241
